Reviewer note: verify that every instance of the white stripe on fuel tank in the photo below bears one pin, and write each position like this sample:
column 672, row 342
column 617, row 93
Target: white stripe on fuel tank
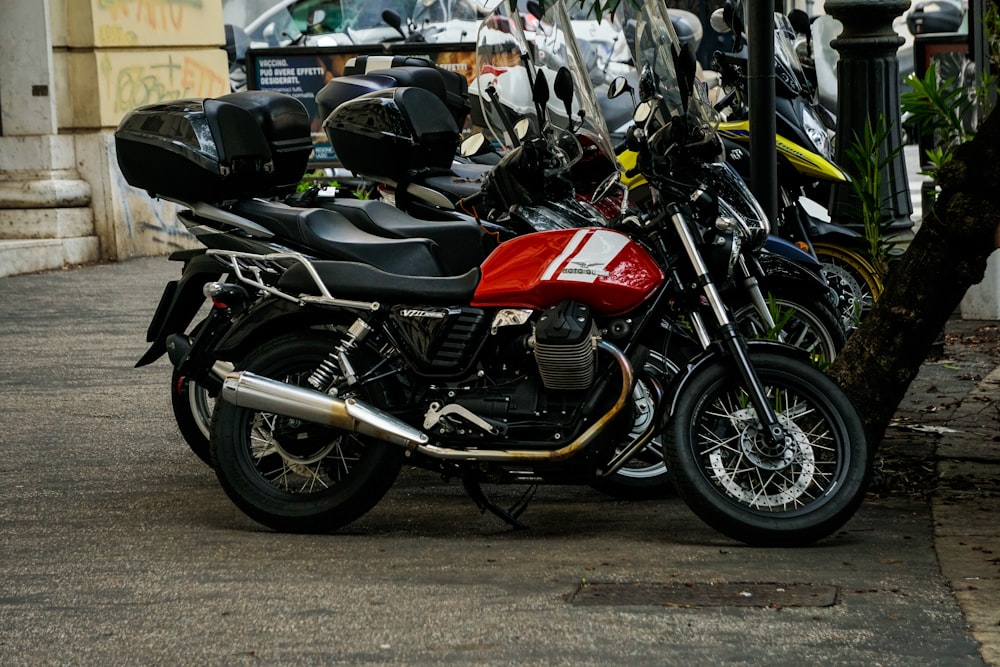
column 567, row 251
column 592, row 261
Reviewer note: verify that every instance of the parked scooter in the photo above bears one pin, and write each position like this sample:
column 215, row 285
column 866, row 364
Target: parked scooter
column 525, row 369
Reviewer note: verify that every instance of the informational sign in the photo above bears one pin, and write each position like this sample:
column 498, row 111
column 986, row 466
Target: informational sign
column 302, row 71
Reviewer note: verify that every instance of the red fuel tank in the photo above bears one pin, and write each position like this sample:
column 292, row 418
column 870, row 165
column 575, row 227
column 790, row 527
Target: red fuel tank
column 601, row 268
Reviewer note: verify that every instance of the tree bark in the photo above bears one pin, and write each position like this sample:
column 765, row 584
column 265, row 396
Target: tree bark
column 947, row 255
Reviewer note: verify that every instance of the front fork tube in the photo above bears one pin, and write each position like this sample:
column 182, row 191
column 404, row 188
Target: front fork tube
column 730, row 338
column 752, row 286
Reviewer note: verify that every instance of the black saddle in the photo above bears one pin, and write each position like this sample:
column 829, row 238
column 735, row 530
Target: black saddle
column 330, row 235
column 351, row 280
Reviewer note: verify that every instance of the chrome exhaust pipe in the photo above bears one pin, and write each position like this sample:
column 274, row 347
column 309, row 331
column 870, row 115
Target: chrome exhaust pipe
column 255, row 392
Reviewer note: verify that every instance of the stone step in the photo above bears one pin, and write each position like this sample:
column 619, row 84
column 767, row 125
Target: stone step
column 30, row 255
column 17, row 224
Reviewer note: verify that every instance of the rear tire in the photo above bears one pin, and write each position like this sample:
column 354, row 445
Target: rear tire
column 853, row 277
column 294, row 476
column 193, row 407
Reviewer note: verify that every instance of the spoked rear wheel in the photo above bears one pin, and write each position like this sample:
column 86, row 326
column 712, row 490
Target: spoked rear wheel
column 291, row 475
column 192, row 406
column 854, row 278
column 731, row 476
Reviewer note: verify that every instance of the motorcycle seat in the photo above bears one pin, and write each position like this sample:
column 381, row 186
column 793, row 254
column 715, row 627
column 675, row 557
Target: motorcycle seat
column 457, row 239
column 455, row 187
column 330, row 235
column 465, row 180
column 352, row 280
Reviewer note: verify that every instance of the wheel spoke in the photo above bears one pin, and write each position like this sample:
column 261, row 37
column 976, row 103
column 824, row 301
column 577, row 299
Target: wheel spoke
column 733, row 455
column 306, row 472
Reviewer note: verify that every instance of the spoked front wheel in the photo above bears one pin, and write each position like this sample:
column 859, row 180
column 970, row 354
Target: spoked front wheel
column 727, row 470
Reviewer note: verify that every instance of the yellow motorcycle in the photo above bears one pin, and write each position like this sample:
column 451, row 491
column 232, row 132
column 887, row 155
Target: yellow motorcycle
column 805, row 167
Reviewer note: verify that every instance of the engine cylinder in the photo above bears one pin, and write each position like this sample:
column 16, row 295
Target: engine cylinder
column 564, row 347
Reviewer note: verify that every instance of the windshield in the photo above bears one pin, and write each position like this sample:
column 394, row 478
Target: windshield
column 500, row 93
column 507, row 64
column 787, row 66
column 557, row 45
column 665, row 71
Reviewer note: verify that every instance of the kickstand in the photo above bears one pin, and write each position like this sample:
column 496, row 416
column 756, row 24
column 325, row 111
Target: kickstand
column 509, row 515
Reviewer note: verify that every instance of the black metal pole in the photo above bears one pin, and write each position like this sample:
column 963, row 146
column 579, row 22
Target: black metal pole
column 760, row 77
column 867, row 89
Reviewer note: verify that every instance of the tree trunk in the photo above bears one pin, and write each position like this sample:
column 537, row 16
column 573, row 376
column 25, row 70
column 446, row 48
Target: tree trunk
column 947, row 255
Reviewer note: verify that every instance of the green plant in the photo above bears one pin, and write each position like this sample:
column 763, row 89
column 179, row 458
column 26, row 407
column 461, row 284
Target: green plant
column 991, row 28
column 940, row 107
column 781, row 317
column 317, row 178
column 869, row 158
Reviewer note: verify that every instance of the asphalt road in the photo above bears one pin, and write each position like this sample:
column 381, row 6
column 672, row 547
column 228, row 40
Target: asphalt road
column 117, row 546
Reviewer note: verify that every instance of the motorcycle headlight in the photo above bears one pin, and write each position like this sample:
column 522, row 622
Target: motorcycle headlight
column 739, row 211
column 816, row 131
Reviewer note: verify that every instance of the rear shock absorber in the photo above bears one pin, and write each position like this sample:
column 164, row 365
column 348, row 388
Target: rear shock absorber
column 337, row 363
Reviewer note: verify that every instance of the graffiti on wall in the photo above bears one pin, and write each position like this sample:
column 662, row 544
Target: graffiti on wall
column 145, row 22
column 144, row 226
column 159, row 77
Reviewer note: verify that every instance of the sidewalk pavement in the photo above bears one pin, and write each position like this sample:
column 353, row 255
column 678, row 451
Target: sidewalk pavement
column 118, row 547
column 946, row 436
column 953, row 408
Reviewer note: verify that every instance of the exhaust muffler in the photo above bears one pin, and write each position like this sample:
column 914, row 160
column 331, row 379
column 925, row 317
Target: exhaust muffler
column 247, row 390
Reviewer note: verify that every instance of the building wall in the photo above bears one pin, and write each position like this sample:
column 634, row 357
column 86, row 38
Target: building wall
column 69, row 71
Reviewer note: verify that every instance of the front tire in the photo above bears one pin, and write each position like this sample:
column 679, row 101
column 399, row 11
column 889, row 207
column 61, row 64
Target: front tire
column 793, row 498
column 294, row 476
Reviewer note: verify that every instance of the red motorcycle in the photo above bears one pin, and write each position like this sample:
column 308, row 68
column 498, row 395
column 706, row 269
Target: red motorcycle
column 555, row 361
column 532, row 368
